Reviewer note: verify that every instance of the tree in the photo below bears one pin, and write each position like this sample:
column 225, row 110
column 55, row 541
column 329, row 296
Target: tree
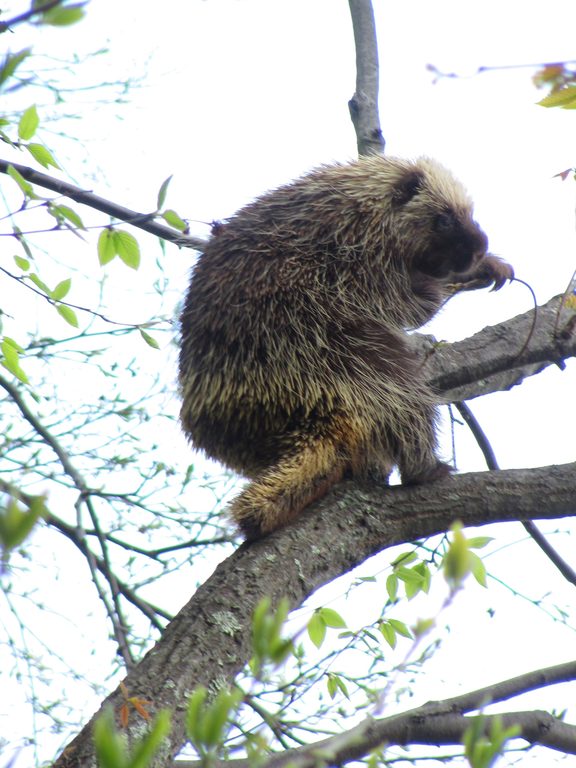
column 215, row 635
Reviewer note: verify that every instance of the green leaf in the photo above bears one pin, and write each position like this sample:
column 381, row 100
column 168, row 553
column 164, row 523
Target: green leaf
column 392, row 587
column 478, row 542
column 334, row 683
column 39, row 283
column 28, row 123
column 400, row 628
column 127, row 248
column 456, row 562
column 150, row 340
column 11, row 359
column 162, row 192
column 388, row 633
column 404, row 559
column 109, row 744
column 172, row 218
column 42, row 155
column 61, row 289
column 422, row 627
column 68, row 314
column 23, row 263
column 106, row 246
column 194, row 714
column 63, row 16
column 64, row 212
column 11, row 63
column 477, row 568
column 316, row 629
column 24, row 185
column 17, row 523
column 149, row 745
column 332, row 618
column 565, row 97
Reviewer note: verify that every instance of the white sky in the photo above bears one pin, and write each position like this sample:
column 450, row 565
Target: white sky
column 242, row 95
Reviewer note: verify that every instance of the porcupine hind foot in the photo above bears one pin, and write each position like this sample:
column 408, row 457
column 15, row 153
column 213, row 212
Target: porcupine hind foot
column 280, row 494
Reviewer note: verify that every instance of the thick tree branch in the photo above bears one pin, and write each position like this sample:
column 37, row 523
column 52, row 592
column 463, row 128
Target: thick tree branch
column 210, row 637
column 145, row 221
column 364, row 103
column 490, row 361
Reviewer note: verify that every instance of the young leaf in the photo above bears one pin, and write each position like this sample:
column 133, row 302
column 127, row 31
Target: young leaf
column 332, row 618
column 39, row 283
column 127, row 248
column 10, row 360
column 61, row 289
column 24, row 185
column 162, row 192
column 316, row 629
column 64, row 212
column 28, row 123
column 109, row 744
column 106, row 246
column 68, row 314
column 388, row 633
column 63, row 16
column 150, row 340
column 172, row 218
column 23, row 263
column 11, row 63
column 565, row 97
column 42, row 155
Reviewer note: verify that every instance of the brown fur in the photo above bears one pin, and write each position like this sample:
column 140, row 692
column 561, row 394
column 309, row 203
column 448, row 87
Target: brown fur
column 294, row 366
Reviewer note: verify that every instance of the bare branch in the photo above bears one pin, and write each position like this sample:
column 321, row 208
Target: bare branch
column 364, row 103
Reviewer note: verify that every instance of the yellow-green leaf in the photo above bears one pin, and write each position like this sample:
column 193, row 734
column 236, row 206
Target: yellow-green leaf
column 24, row 185
column 106, row 246
column 23, row 263
column 150, row 340
column 68, row 314
column 63, row 16
column 332, row 618
column 316, row 629
column 127, row 248
column 61, row 289
column 162, row 192
column 11, row 63
column 42, row 155
column 11, row 359
column 28, row 123
column 172, row 218
column 566, row 97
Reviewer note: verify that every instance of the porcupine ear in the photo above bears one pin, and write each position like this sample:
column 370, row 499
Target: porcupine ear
column 407, row 187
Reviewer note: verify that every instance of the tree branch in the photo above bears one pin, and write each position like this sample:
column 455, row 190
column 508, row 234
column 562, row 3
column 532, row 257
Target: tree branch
column 490, row 361
column 436, row 722
column 363, row 105
column 210, row 637
column 143, row 221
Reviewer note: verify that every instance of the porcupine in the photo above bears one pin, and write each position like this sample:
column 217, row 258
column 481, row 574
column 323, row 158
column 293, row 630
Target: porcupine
column 295, row 366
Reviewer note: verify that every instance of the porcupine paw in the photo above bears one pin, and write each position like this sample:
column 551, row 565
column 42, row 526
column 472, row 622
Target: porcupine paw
column 437, row 471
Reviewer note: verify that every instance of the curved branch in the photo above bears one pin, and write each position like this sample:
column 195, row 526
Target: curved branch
column 143, row 221
column 210, row 637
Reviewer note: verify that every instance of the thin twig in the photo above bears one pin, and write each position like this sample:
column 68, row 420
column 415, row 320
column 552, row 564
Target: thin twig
column 143, row 221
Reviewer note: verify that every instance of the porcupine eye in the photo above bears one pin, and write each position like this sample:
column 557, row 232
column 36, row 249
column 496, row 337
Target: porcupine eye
column 444, row 222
